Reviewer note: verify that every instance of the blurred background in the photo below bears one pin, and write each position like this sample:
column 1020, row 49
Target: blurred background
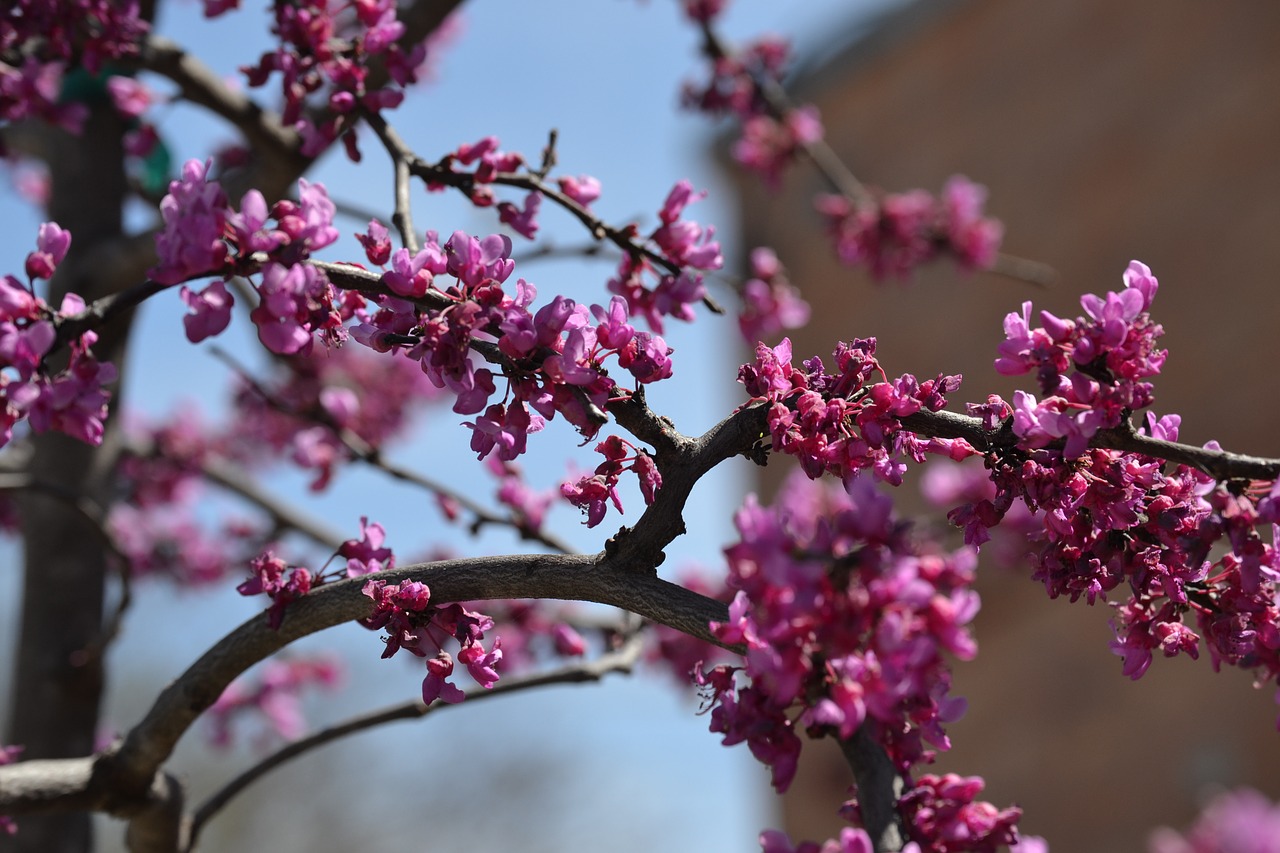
column 1104, row 132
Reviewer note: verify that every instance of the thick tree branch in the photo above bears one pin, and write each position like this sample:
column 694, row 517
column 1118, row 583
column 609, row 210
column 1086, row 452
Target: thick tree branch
column 577, row 578
column 200, row 85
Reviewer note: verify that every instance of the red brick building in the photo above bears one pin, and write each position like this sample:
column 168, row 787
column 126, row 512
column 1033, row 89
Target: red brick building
column 1104, row 131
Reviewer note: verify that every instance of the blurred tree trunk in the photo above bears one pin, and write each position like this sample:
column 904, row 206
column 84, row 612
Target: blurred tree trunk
column 58, row 679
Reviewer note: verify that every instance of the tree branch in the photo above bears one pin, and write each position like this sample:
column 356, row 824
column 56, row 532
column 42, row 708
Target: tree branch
column 372, row 456
column 880, row 786
column 594, row 578
column 400, row 154
column 199, row 84
column 237, row 481
column 838, row 175
column 622, row 660
column 1219, row 464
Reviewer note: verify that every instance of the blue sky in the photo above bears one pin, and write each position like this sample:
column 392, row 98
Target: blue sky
column 629, row 761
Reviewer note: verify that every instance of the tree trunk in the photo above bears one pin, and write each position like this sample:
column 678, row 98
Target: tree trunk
column 58, row 681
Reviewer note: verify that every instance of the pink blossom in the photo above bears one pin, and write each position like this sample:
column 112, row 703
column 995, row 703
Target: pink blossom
column 583, row 189
column 523, row 220
column 1242, row 820
column 131, row 97
column 52, row 243
column 436, row 684
column 210, row 311
column 195, row 215
column 367, row 554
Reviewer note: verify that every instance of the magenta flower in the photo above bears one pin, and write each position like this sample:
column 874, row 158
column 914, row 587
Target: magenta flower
column 195, row 215
column 52, row 242
column 583, row 189
column 367, row 554
column 130, row 97
column 210, row 311
column 523, row 220
column 437, row 685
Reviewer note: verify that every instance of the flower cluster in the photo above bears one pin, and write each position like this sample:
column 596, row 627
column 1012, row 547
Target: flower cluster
column 486, row 162
column 551, row 358
column 414, row 624
column 169, row 540
column 72, row 400
column 316, row 396
column 768, row 145
column 41, row 39
column 944, row 816
column 367, row 554
column 268, row 578
column 1110, row 520
column 593, row 493
column 771, row 138
column 770, row 303
column 528, row 507
column 683, row 246
column 275, row 695
column 1240, row 821
column 842, row 617
column 204, row 236
column 1090, row 369
column 842, row 423
column 404, row 610
column 330, row 56
column 533, row 631
column 846, row 621
column 902, row 231
column 1180, row 544
column 686, row 245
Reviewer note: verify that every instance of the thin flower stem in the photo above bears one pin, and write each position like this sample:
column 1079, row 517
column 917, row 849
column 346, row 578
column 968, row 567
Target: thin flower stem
column 623, row 238
column 623, row 661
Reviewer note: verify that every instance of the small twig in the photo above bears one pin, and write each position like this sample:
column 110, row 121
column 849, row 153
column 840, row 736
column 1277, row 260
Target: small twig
column 1024, row 269
column 101, row 310
column 400, row 155
column 623, row 660
column 624, row 238
column 548, row 155
column 550, row 250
